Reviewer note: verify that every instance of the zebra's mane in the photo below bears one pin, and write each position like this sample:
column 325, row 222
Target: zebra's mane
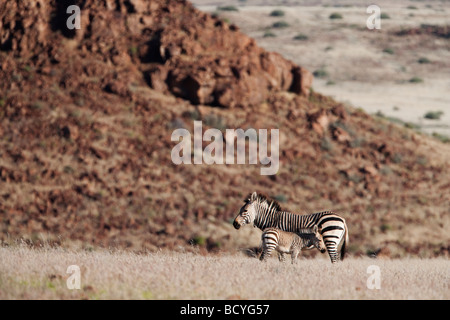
column 261, row 198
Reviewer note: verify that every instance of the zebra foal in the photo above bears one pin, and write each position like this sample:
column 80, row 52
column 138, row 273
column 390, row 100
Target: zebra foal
column 288, row 242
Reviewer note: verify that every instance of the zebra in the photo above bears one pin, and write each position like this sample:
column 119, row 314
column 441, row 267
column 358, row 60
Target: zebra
column 289, row 242
column 265, row 213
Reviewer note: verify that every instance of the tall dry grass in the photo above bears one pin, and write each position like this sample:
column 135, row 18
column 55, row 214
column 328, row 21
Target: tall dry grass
column 41, row 274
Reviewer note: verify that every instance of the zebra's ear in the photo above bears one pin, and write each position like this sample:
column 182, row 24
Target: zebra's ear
column 254, row 196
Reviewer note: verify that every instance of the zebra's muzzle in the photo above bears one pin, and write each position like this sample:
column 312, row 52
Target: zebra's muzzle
column 236, row 225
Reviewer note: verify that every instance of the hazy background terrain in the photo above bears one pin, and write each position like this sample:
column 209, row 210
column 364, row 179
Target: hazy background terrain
column 401, row 76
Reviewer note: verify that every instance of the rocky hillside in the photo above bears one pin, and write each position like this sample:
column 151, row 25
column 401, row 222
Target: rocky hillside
column 86, row 118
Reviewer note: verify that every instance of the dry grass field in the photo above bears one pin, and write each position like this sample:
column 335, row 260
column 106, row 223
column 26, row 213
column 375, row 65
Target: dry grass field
column 40, row 273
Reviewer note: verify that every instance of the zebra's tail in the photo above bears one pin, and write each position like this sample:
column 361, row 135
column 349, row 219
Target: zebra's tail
column 344, row 243
column 343, row 251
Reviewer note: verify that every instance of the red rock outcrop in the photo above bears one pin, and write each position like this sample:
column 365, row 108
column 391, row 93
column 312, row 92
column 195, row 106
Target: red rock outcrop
column 178, row 48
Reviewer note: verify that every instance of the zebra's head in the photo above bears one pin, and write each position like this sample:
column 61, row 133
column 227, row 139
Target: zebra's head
column 247, row 214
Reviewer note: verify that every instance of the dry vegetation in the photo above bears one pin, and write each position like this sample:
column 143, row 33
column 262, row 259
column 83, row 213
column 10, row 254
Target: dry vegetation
column 40, row 273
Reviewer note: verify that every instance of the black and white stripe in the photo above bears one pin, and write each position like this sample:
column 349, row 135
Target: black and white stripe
column 265, row 213
column 287, row 242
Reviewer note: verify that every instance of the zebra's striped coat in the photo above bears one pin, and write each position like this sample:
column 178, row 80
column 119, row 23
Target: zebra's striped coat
column 288, row 242
column 265, row 213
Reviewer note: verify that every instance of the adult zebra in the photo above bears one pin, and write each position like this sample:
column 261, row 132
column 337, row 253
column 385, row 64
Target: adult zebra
column 265, row 213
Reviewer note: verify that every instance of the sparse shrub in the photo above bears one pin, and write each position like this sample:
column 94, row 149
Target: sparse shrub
column 422, row 160
column 269, row 34
column 176, row 123
column 215, row 121
column 441, row 137
column 198, row 240
column 423, row 60
column 422, row 200
column 380, row 114
column 411, row 125
column 301, row 37
column 27, row 68
column 355, row 178
column 357, row 143
column 397, row 158
column 2, row 102
column 79, row 101
column 193, row 115
column 388, row 50
column 326, row 144
column 37, row 105
column 385, row 170
column 280, row 24
column 344, row 126
column 393, row 119
column 433, row 115
column 335, row 15
column 277, row 13
column 416, row 80
column 133, row 50
column 68, row 170
column 227, row 8
column 384, row 16
column 320, row 73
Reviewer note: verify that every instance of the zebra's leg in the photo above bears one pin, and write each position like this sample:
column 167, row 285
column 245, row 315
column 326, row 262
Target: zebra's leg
column 332, row 252
column 294, row 255
column 265, row 253
column 263, row 256
column 334, row 258
column 281, row 256
column 334, row 249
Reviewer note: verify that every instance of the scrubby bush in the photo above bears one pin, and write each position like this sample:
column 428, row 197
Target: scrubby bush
column 269, row 34
column 433, row 115
column 301, row 36
column 335, row 15
column 423, row 60
column 443, row 138
column 415, row 80
column 277, row 13
column 227, row 8
column 320, row 73
column 280, row 24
